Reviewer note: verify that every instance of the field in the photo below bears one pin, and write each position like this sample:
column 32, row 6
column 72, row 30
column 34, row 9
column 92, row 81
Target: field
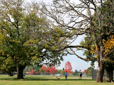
column 48, row 80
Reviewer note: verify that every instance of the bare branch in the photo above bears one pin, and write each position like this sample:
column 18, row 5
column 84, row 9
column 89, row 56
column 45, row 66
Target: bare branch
column 82, row 57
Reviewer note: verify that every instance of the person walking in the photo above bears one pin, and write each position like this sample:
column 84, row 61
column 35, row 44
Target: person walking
column 66, row 74
column 80, row 74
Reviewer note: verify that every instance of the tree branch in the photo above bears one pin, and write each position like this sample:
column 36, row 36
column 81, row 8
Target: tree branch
column 83, row 58
column 79, row 56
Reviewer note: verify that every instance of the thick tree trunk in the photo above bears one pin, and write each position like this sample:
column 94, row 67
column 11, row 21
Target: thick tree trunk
column 20, row 72
column 100, row 73
column 109, row 71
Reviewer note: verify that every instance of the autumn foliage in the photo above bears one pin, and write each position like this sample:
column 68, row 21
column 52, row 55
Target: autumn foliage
column 45, row 68
column 51, row 69
column 85, row 71
column 31, row 72
column 109, row 44
column 68, row 67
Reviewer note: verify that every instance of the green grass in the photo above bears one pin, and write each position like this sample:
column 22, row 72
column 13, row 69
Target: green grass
column 48, row 80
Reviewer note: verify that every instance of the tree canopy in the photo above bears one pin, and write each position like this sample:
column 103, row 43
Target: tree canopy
column 26, row 37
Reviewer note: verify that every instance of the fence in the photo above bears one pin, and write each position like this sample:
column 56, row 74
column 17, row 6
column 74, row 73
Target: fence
column 94, row 74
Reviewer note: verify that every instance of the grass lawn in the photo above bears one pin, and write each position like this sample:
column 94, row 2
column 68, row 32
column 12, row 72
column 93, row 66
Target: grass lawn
column 48, row 80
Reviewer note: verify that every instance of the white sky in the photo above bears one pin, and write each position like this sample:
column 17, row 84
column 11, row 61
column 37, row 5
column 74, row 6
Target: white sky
column 77, row 64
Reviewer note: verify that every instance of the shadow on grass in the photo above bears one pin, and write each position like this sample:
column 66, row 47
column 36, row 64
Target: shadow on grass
column 59, row 79
column 43, row 79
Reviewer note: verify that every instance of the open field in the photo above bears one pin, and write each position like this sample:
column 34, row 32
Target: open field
column 48, row 80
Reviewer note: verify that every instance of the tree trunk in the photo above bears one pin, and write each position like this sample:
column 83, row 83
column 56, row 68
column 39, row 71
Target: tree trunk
column 20, row 72
column 100, row 73
column 109, row 71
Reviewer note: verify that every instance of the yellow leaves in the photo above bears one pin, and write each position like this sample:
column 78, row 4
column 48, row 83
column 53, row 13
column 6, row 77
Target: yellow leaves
column 3, row 53
column 95, row 23
column 53, row 47
column 92, row 49
column 97, row 56
column 16, row 41
column 3, row 38
column 35, row 58
column 108, row 60
column 57, row 38
column 109, row 44
column 31, row 53
column 29, row 42
column 46, row 46
column 36, row 54
column 28, row 56
column 3, row 66
column 7, row 64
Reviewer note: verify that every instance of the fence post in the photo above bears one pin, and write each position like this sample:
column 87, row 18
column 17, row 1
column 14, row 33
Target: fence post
column 94, row 74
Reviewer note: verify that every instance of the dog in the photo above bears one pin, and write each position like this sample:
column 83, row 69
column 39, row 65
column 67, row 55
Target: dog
column 57, row 78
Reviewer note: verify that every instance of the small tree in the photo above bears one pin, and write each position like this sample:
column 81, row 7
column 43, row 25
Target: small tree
column 90, row 71
column 52, row 69
column 68, row 67
column 45, row 68
column 85, row 71
column 32, row 71
column 29, row 73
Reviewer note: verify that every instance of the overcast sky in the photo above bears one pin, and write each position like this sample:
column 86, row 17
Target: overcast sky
column 77, row 64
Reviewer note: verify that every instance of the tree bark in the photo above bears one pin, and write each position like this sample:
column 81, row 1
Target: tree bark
column 109, row 71
column 20, row 72
column 100, row 73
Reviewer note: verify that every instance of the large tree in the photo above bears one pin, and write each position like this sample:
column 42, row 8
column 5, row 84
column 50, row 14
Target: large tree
column 107, row 39
column 25, row 37
column 86, row 17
